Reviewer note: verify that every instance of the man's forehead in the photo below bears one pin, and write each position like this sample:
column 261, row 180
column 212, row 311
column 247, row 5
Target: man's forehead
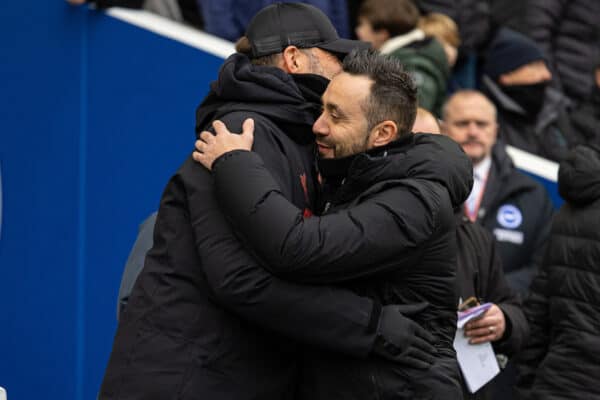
column 348, row 87
column 472, row 106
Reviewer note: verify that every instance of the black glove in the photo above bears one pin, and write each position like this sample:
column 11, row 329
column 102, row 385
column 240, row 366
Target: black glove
column 402, row 340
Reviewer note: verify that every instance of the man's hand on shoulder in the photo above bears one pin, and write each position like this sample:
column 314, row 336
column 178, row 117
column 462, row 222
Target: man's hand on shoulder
column 210, row 147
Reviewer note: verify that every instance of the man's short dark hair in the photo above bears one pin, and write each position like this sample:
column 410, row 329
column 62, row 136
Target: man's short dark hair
column 396, row 16
column 393, row 93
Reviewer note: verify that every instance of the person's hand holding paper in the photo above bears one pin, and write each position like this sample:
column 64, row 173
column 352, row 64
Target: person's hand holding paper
column 489, row 327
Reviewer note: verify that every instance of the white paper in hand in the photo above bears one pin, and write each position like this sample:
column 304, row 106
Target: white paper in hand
column 477, row 361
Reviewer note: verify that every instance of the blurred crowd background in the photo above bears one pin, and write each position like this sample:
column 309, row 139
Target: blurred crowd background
column 537, row 60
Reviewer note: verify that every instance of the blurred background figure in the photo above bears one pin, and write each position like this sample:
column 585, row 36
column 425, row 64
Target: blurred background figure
column 474, row 21
column 533, row 116
column 509, row 204
column 391, row 27
column 512, row 206
column 480, row 276
column 568, row 32
column 586, row 116
column 185, row 11
column 426, row 122
column 562, row 355
column 228, row 18
column 444, row 29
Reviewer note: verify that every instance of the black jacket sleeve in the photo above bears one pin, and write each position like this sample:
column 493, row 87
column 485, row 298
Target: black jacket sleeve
column 499, row 293
column 135, row 261
column 480, row 274
column 332, row 318
column 376, row 235
column 536, row 347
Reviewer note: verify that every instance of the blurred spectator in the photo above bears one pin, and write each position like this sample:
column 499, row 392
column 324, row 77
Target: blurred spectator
column 509, row 204
column 569, row 34
column 177, row 10
column 444, row 29
column 353, row 7
column 426, row 122
column 228, row 18
column 586, row 116
column 509, row 14
column 391, row 27
column 480, row 276
column 532, row 114
column 471, row 16
column 475, row 26
column 562, row 357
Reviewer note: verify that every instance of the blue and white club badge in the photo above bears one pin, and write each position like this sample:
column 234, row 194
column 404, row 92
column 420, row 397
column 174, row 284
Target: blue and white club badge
column 509, row 216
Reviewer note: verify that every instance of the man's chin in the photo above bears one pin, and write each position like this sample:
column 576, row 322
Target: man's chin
column 475, row 153
column 476, row 158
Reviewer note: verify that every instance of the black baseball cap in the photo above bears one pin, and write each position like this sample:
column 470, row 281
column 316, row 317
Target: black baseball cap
column 295, row 24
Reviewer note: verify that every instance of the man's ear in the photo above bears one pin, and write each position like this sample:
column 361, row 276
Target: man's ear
column 382, row 35
column 293, row 60
column 384, row 133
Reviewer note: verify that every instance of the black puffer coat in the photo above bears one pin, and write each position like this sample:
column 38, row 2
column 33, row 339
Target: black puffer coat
column 480, row 275
column 569, row 33
column 388, row 234
column 204, row 319
column 517, row 211
column 562, row 358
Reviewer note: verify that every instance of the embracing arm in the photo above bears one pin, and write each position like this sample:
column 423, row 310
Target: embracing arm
column 328, row 317
column 381, row 233
column 500, row 293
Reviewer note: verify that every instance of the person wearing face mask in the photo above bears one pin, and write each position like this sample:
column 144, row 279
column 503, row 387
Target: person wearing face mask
column 532, row 115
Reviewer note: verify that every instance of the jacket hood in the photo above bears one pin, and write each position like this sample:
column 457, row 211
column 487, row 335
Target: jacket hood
column 424, row 54
column 279, row 96
column 579, row 175
column 419, row 156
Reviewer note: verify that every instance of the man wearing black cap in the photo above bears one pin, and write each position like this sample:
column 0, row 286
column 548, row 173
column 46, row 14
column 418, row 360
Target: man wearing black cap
column 385, row 231
column 204, row 319
column 532, row 114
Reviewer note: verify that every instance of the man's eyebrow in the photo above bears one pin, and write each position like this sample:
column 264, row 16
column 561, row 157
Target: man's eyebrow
column 476, row 120
column 332, row 107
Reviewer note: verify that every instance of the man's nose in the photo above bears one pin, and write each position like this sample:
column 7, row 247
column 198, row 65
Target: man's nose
column 473, row 129
column 545, row 75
